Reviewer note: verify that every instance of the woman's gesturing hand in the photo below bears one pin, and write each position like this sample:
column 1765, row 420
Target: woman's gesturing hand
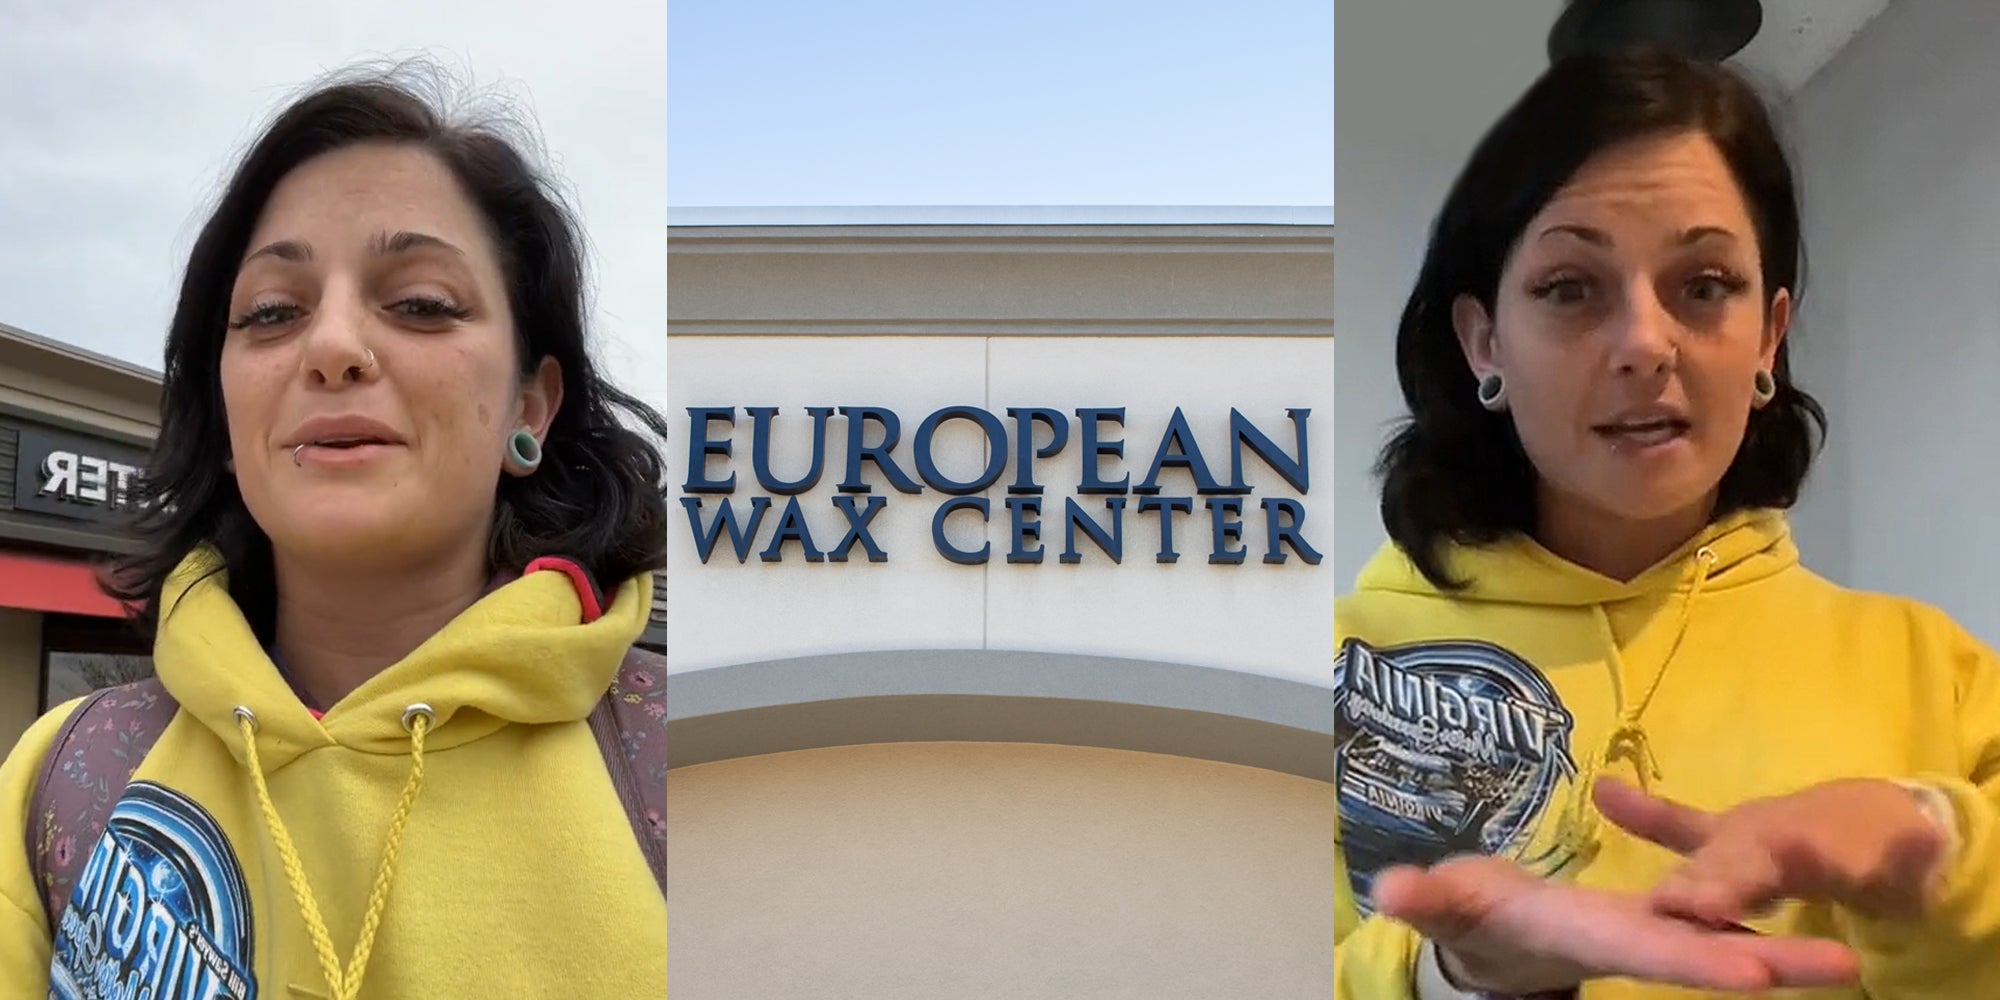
column 1500, row 929
column 1863, row 843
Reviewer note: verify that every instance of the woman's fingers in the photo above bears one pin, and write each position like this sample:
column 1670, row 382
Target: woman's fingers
column 1800, row 962
column 1443, row 903
column 1724, row 882
column 1679, row 828
column 1657, row 949
column 1703, row 958
column 1865, row 843
column 1491, row 912
column 1914, row 867
column 1742, row 871
column 1614, row 937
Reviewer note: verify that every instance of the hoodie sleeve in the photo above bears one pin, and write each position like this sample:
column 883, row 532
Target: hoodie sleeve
column 1377, row 961
column 1374, row 958
column 1955, row 950
column 24, row 926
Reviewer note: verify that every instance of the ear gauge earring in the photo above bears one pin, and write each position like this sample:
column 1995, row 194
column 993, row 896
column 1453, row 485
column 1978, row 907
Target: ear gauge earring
column 524, row 453
column 1493, row 391
column 1764, row 389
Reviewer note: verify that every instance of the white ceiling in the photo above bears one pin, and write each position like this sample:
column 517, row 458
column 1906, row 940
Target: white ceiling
column 1800, row 36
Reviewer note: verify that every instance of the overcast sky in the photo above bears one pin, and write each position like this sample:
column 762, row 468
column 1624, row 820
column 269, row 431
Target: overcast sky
column 123, row 117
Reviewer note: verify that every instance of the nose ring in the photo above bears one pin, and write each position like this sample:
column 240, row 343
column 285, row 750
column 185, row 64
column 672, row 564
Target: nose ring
column 368, row 362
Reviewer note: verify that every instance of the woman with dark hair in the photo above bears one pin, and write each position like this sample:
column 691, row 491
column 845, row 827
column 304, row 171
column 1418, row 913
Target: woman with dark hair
column 1596, row 724
column 400, row 743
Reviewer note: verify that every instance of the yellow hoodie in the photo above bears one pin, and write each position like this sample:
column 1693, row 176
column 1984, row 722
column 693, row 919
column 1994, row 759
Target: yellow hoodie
column 516, row 873
column 1474, row 721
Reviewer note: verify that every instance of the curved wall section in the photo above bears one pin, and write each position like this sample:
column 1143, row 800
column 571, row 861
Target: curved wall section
column 1001, row 696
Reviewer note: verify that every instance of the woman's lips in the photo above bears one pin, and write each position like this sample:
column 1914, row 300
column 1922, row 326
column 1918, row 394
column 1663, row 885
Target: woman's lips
column 342, row 455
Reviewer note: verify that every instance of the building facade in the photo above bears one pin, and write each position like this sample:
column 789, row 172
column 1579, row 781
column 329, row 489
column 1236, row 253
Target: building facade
column 74, row 431
column 1002, row 632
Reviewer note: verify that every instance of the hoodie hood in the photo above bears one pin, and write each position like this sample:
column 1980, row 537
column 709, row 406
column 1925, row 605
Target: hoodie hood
column 508, row 683
column 526, row 653
column 1743, row 548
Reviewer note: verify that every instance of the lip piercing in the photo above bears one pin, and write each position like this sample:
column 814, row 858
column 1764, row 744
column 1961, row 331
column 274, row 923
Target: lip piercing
column 295, row 456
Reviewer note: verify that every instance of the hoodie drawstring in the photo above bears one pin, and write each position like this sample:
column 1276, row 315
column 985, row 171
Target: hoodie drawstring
column 345, row 983
column 1576, row 832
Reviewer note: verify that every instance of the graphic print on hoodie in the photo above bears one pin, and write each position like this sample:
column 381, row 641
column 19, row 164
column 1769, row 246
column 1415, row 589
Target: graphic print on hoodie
column 1445, row 747
column 160, row 911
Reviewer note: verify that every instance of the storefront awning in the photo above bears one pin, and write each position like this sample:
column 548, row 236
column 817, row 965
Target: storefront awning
column 50, row 584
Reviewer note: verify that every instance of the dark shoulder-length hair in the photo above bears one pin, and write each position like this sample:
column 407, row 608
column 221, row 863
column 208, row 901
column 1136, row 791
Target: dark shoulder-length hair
column 597, row 497
column 1454, row 472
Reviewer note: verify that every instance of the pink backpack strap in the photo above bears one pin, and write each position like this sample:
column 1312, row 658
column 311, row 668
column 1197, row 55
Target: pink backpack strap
column 630, row 724
column 93, row 758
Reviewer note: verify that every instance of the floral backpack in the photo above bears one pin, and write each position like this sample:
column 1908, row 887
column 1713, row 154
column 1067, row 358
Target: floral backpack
column 101, row 744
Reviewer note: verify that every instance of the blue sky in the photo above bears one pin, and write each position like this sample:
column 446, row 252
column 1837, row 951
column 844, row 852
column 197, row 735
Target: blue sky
column 1019, row 102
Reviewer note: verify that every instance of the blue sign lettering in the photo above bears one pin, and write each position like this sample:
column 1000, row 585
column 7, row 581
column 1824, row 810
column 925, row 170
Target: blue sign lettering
column 799, row 529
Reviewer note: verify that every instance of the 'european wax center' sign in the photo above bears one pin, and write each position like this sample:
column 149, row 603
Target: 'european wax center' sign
column 75, row 477
column 1179, row 495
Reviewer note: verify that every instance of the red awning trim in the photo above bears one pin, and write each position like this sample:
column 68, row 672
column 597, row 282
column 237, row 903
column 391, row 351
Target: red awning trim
column 53, row 584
